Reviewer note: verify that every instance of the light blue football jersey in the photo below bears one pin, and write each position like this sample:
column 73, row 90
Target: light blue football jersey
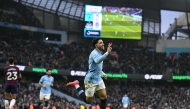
column 95, row 66
column 47, row 81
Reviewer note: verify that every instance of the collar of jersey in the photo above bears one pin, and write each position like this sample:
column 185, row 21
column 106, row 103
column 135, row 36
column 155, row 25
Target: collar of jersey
column 98, row 51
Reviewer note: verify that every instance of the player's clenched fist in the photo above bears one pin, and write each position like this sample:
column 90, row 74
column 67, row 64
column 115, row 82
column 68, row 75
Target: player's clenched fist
column 109, row 47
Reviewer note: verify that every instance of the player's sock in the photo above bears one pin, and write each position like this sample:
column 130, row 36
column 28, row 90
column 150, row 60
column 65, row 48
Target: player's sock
column 103, row 104
column 81, row 93
column 46, row 104
column 96, row 95
column 77, row 86
column 39, row 104
column 12, row 103
column 6, row 104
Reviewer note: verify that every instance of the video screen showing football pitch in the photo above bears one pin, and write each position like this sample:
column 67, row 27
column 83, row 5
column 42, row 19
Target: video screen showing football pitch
column 121, row 23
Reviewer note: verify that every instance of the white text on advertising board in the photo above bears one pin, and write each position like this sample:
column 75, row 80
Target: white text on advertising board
column 77, row 73
column 21, row 68
column 157, row 77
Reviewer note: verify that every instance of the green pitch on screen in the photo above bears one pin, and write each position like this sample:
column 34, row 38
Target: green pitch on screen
column 115, row 26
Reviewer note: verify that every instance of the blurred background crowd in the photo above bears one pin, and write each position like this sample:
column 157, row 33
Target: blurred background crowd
column 18, row 14
column 142, row 94
column 74, row 56
column 124, row 59
column 134, row 59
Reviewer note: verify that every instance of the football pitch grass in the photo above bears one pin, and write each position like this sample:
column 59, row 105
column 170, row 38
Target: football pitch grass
column 117, row 25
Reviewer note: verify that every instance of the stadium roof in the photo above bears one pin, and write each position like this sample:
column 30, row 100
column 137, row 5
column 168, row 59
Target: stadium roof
column 75, row 8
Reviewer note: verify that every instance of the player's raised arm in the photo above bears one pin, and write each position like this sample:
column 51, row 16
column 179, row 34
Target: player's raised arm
column 98, row 59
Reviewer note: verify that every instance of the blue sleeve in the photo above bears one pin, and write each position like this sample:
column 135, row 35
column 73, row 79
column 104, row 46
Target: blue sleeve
column 98, row 59
column 122, row 100
column 42, row 79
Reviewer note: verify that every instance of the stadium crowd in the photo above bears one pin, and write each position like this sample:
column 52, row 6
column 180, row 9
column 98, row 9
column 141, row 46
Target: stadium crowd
column 123, row 59
column 180, row 65
column 66, row 56
column 142, row 94
column 19, row 14
column 29, row 94
column 176, row 96
column 34, row 53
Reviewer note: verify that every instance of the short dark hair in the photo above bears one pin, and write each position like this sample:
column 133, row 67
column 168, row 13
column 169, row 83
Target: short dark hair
column 48, row 69
column 95, row 41
column 11, row 60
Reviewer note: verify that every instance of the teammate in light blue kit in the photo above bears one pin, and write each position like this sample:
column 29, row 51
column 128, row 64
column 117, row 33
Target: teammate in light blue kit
column 125, row 101
column 93, row 81
column 46, row 82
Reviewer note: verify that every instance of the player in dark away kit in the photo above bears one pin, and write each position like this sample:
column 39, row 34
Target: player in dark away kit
column 12, row 74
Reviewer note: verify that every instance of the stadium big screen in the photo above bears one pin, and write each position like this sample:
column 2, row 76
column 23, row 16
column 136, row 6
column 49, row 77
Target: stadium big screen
column 113, row 22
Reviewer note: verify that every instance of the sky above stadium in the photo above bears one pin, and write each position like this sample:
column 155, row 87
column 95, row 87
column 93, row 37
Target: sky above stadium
column 167, row 18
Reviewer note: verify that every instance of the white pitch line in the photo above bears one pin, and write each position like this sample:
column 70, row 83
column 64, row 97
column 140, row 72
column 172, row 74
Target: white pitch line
column 123, row 27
